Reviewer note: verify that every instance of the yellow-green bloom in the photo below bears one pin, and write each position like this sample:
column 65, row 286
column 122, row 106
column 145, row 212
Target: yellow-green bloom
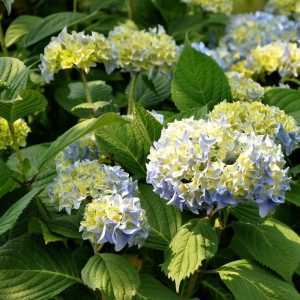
column 74, row 50
column 139, row 50
column 279, row 57
column 215, row 6
column 243, row 88
column 20, row 129
column 260, row 119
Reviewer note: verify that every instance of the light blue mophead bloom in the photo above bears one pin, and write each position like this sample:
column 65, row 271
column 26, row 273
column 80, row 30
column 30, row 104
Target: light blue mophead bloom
column 114, row 219
column 83, row 149
column 203, row 165
column 288, row 140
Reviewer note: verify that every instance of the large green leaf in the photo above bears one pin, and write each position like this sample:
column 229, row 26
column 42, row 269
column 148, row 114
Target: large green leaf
column 19, row 28
column 247, row 212
column 10, row 217
column 29, row 102
column 112, row 275
column 152, row 91
column 30, row 271
column 126, row 147
column 195, row 242
column 293, row 196
column 286, row 99
column 152, row 289
column 198, row 81
column 74, row 134
column 146, row 126
column 266, row 242
column 14, row 75
column 130, row 144
column 248, row 281
column 216, row 290
column 7, row 183
column 29, row 154
column 52, row 24
column 164, row 220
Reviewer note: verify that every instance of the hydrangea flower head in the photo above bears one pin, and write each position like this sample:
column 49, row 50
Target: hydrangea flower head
column 248, row 31
column 73, row 50
column 260, row 119
column 83, row 149
column 21, row 131
column 115, row 219
column 215, row 6
column 243, row 88
column 138, row 50
column 280, row 57
column 198, row 164
column 88, row 179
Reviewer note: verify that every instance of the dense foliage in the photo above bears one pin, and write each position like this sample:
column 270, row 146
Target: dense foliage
column 149, row 150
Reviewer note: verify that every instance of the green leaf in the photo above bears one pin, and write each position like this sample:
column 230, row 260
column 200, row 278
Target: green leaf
column 10, row 217
column 170, row 9
column 38, row 226
column 144, row 13
column 30, row 154
column 112, row 275
column 146, row 126
column 7, row 183
column 29, row 102
column 247, row 212
column 197, row 114
column 152, row 289
column 73, row 95
column 8, row 4
column 266, row 242
column 74, row 134
column 286, row 99
column 164, row 220
column 216, row 290
column 195, row 242
column 14, row 75
column 19, row 28
column 293, row 196
column 159, row 92
column 30, row 271
column 126, row 147
column 198, row 81
column 52, row 24
column 248, row 281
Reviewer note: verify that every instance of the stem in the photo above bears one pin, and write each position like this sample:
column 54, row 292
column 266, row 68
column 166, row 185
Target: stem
column 130, row 9
column 86, row 87
column 131, row 94
column 74, row 6
column 2, row 41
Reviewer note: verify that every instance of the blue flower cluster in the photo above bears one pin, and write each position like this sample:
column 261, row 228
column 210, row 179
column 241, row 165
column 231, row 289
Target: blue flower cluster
column 205, row 165
column 112, row 213
column 249, row 41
